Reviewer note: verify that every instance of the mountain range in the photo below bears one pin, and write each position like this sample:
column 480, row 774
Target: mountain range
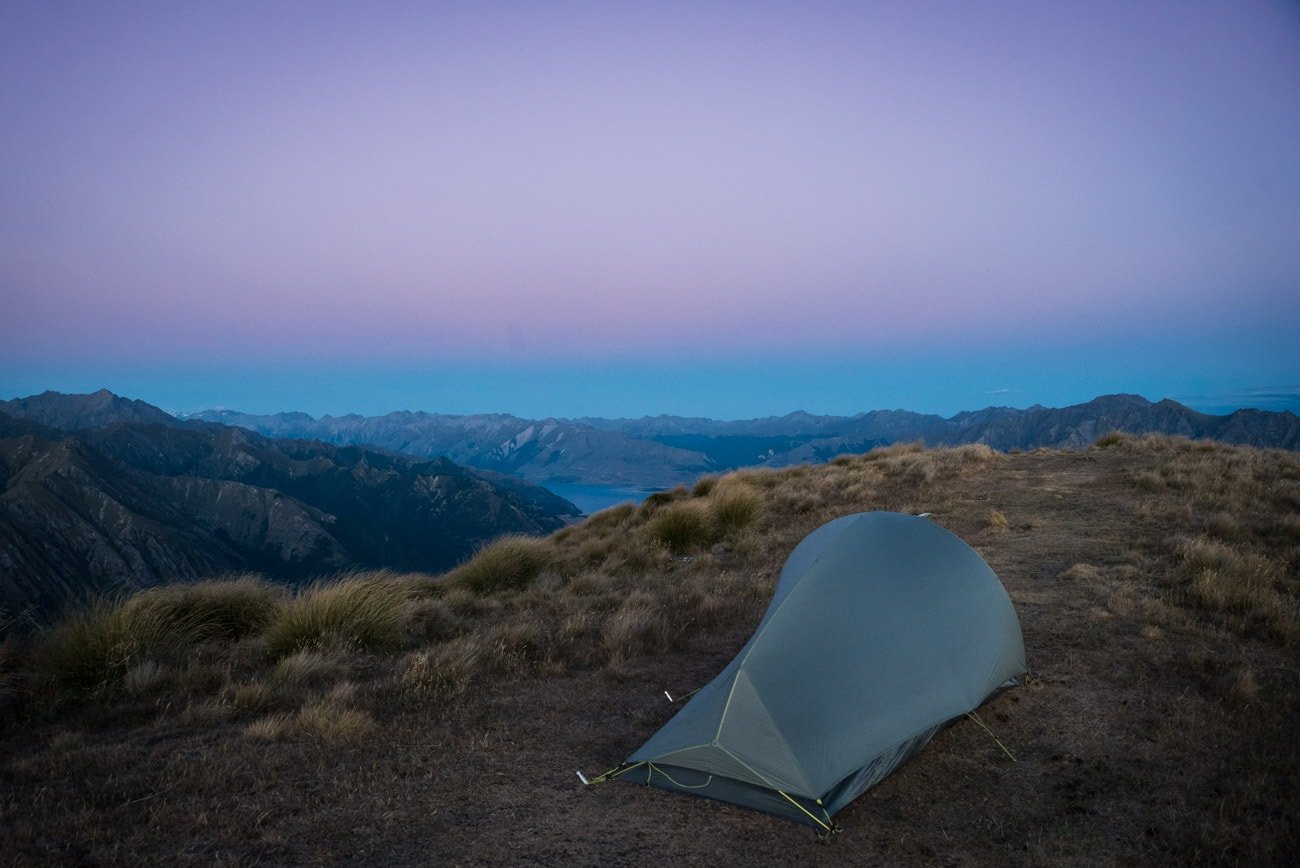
column 103, row 495
column 661, row 451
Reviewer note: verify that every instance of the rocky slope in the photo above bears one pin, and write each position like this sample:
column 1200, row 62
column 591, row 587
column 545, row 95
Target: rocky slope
column 116, row 508
column 662, row 451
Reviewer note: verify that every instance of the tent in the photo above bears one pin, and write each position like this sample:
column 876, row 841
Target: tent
column 883, row 629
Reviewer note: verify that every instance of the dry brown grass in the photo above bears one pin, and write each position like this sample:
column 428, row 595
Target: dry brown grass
column 326, row 719
column 683, row 527
column 1163, row 642
column 997, row 521
column 1242, row 569
column 1081, row 573
column 269, row 728
column 640, row 626
column 333, row 721
column 507, row 563
column 735, row 507
column 95, row 648
column 307, row 667
column 252, row 696
column 704, row 485
column 368, row 611
column 449, row 667
column 143, row 678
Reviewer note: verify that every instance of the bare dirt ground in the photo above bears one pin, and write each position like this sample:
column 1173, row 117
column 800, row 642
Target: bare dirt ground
column 1149, row 732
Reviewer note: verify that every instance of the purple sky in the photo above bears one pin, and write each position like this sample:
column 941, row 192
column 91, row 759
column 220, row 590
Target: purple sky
column 735, row 209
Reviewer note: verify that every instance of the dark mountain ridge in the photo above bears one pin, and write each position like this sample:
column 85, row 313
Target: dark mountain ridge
column 78, row 412
column 103, row 510
column 661, row 451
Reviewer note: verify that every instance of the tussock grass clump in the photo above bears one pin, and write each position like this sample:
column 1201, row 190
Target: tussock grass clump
column 100, row 645
column 333, row 722
column 143, row 678
column 227, row 608
column 682, row 527
column 914, row 468
column 1241, row 686
column 587, row 584
column 464, row 603
column 1081, row 573
column 509, row 562
column 270, row 728
column 894, row 450
column 997, row 521
column 324, row 719
column 436, row 621
column 305, row 667
column 639, row 626
column 1229, row 579
column 344, row 692
column 639, row 553
column 1111, row 438
column 1288, row 528
column 607, row 518
column 1200, row 554
column 368, row 612
column 253, row 696
column 973, row 453
column 519, row 642
column 449, row 667
column 1224, row 525
column 736, row 506
column 663, row 498
column 704, row 485
column 205, row 714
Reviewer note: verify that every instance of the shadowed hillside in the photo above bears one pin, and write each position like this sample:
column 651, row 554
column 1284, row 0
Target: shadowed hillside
column 412, row 718
column 101, row 511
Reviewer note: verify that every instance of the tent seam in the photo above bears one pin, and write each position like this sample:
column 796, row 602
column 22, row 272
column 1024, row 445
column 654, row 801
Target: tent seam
column 753, row 642
column 759, row 774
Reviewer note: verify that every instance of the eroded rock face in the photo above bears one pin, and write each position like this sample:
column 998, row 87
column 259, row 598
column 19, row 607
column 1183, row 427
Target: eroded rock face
column 121, row 507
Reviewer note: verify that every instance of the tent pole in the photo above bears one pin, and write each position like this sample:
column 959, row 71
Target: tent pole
column 609, row 775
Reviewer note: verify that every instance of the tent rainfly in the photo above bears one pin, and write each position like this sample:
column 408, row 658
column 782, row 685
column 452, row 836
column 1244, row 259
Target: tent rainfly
column 883, row 629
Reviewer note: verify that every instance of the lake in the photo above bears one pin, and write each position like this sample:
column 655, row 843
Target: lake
column 594, row 498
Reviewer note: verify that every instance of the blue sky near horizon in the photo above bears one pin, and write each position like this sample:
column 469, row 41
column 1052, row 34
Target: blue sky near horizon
column 693, row 208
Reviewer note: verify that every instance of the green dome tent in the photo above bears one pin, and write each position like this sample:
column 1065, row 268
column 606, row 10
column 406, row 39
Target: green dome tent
column 883, row 629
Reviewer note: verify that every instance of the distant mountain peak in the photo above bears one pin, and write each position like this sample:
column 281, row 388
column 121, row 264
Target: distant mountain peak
column 75, row 412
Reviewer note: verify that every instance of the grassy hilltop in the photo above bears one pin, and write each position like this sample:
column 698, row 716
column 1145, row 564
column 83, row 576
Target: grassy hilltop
column 382, row 717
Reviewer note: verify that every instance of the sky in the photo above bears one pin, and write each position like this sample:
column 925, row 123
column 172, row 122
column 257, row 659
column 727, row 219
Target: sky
column 720, row 209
